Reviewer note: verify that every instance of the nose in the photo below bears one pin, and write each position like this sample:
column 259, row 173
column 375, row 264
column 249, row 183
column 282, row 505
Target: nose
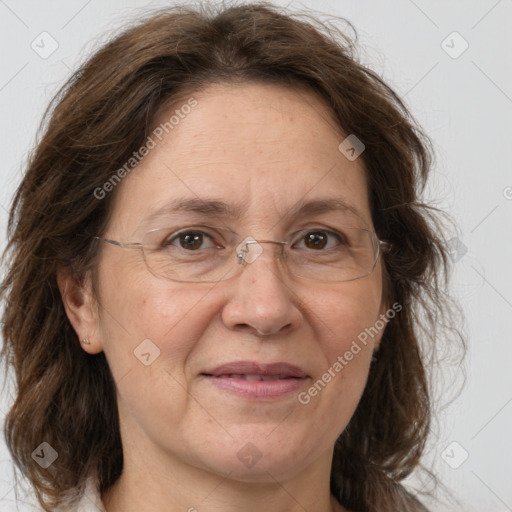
column 261, row 300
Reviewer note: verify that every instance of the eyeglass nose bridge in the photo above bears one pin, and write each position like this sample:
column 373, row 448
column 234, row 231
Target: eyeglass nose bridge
column 243, row 253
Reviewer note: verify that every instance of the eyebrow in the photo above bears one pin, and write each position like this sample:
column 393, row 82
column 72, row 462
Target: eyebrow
column 319, row 206
column 205, row 207
column 221, row 209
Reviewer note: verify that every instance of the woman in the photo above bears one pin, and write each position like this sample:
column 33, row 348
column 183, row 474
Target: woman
column 218, row 271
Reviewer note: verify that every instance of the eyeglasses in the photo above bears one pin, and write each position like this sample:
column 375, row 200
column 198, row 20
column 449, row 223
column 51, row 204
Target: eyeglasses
column 209, row 254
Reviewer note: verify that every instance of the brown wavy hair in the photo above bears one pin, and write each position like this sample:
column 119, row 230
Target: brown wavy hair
column 103, row 114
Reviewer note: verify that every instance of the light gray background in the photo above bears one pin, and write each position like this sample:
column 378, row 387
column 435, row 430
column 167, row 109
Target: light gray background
column 464, row 103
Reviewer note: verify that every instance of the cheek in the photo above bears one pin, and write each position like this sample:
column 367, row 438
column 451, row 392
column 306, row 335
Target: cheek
column 345, row 312
column 150, row 329
column 141, row 314
column 346, row 320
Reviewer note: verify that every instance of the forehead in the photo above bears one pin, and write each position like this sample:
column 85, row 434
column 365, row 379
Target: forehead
column 261, row 148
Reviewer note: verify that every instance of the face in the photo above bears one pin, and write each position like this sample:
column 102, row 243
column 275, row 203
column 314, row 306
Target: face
column 262, row 150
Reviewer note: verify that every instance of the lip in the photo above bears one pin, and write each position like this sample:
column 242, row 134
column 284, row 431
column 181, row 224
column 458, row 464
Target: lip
column 255, row 368
column 228, row 377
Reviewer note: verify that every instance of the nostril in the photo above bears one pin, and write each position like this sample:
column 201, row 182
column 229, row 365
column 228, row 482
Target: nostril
column 244, row 327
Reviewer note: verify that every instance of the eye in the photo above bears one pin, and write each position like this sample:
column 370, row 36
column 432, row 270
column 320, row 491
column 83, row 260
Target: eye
column 320, row 239
column 191, row 240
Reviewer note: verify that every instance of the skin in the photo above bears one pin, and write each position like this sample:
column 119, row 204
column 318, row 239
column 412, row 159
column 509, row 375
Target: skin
column 263, row 147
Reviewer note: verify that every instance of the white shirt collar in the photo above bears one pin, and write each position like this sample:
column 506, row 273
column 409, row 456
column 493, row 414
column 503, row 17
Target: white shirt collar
column 90, row 500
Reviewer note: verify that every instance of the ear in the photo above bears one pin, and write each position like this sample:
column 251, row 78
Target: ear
column 81, row 308
column 387, row 310
column 384, row 315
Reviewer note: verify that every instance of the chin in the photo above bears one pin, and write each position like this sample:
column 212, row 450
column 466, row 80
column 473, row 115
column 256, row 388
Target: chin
column 258, row 461
column 263, row 471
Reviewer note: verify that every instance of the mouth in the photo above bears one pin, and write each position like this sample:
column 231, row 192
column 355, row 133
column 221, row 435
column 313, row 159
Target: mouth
column 277, row 370
column 254, row 380
column 253, row 377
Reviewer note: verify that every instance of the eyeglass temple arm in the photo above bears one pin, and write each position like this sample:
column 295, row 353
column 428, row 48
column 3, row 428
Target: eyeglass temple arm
column 384, row 246
column 115, row 242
